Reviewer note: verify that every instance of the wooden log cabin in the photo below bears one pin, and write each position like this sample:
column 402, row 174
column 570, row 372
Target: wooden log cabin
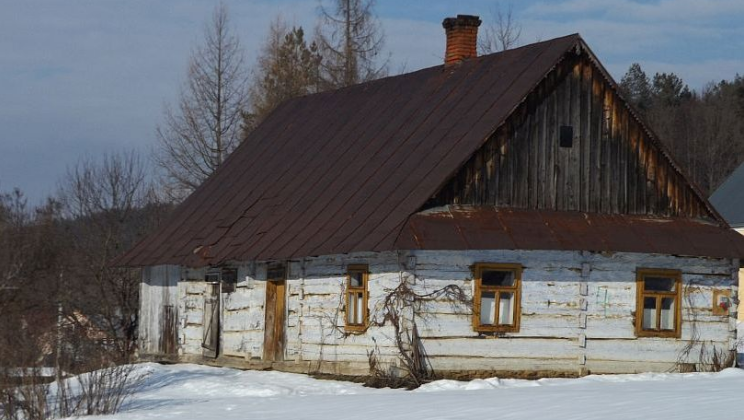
column 502, row 213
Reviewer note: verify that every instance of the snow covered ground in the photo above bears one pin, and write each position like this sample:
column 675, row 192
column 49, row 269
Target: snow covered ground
column 199, row 392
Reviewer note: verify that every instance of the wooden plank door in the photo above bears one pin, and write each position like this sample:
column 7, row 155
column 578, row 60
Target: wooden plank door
column 211, row 338
column 168, row 338
column 274, row 327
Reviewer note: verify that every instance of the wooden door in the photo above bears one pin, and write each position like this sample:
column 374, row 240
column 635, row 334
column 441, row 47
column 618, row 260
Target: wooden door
column 168, row 338
column 211, row 338
column 274, row 327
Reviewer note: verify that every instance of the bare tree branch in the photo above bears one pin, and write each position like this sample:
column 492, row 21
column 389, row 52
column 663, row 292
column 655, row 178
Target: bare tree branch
column 205, row 126
column 501, row 34
column 350, row 38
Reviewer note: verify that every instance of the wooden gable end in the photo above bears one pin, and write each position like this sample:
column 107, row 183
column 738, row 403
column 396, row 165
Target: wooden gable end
column 613, row 165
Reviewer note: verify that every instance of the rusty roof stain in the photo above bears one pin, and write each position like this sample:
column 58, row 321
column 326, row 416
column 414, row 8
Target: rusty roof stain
column 342, row 171
column 466, row 227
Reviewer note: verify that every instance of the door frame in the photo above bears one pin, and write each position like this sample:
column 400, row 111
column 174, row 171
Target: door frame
column 275, row 309
column 212, row 321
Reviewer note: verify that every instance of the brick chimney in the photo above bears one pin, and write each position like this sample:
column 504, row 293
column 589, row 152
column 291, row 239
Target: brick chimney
column 462, row 38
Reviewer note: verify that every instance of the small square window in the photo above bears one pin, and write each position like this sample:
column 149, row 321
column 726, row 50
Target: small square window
column 566, row 136
column 721, row 302
column 226, row 277
column 659, row 300
column 229, row 279
column 496, row 299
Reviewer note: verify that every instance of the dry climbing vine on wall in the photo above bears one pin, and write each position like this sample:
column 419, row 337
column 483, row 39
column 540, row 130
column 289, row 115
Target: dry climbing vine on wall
column 401, row 308
column 713, row 360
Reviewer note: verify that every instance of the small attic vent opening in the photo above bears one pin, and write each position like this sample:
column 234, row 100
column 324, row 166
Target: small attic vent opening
column 566, row 136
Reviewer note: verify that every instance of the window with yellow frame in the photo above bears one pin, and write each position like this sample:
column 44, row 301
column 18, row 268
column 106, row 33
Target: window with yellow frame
column 357, row 278
column 658, row 307
column 496, row 300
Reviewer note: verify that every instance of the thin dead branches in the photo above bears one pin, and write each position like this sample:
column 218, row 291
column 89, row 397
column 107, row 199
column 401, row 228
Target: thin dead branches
column 401, row 308
column 205, row 127
column 501, row 34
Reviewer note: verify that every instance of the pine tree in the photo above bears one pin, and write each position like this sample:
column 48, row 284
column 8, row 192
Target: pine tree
column 636, row 88
column 288, row 67
column 669, row 90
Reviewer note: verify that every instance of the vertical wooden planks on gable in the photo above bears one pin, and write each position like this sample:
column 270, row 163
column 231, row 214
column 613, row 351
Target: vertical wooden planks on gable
column 614, row 144
column 564, row 118
column 551, row 181
column 595, row 156
column 533, row 139
column 613, row 166
column 520, row 168
column 575, row 161
column 542, row 158
column 632, row 167
column 605, row 154
column 586, row 138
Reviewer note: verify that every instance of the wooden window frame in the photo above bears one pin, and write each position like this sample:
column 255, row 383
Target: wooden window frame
column 641, row 293
column 479, row 288
column 717, row 309
column 219, row 275
column 364, row 290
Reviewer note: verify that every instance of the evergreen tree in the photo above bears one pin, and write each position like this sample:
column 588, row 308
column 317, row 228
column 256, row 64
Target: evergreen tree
column 288, row 67
column 636, row 88
column 669, row 90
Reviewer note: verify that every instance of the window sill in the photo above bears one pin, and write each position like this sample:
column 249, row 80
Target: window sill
column 658, row 334
column 495, row 330
column 355, row 329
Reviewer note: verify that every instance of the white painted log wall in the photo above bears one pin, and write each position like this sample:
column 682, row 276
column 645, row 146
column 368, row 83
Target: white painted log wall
column 560, row 327
column 741, row 276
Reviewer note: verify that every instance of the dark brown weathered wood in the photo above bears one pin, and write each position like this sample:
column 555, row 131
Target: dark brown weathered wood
column 274, row 320
column 614, row 166
column 596, row 135
column 585, row 118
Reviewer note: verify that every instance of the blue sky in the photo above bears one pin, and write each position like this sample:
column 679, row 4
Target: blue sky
column 86, row 77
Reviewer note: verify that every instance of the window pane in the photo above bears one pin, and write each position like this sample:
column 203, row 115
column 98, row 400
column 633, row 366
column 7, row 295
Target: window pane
column 488, row 308
column 659, row 284
column 359, row 308
column 497, row 278
column 667, row 313
column 649, row 313
column 229, row 275
column 506, row 305
column 356, row 279
column 350, row 311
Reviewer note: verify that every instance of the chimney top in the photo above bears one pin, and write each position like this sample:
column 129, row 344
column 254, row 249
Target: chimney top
column 462, row 38
column 461, row 20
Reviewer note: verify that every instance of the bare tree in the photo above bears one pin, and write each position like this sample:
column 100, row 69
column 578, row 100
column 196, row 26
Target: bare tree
column 15, row 246
column 350, row 39
column 287, row 67
column 502, row 33
column 109, row 205
column 205, row 126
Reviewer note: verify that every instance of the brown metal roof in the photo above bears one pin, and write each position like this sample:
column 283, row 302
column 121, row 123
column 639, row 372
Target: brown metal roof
column 461, row 228
column 342, row 171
